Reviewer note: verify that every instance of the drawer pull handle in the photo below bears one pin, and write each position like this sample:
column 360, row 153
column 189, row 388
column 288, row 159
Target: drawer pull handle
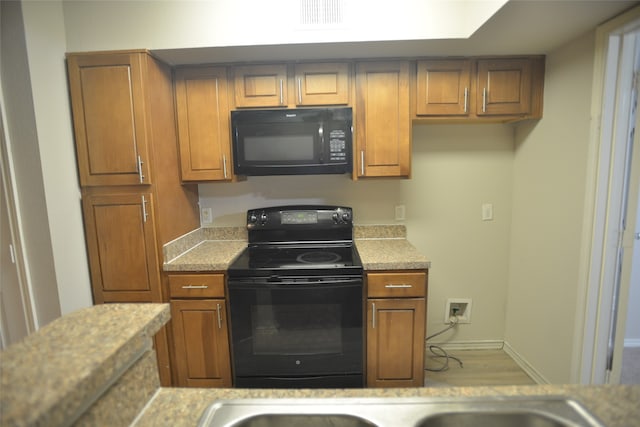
column 195, row 287
column 398, row 286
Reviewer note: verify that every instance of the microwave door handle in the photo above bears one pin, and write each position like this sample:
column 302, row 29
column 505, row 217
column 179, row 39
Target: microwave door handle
column 281, row 94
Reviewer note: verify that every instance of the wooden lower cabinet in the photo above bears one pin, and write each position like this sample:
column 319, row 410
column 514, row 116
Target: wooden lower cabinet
column 202, row 357
column 121, row 242
column 201, row 343
column 396, row 323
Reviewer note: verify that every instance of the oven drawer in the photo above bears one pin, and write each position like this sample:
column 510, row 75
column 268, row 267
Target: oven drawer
column 396, row 285
column 196, row 285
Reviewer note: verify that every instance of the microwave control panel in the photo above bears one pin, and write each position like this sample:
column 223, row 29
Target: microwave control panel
column 337, row 146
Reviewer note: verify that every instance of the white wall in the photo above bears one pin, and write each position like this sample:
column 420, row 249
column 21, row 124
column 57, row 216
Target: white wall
column 455, row 170
column 22, row 147
column 186, row 23
column 548, row 202
column 46, row 46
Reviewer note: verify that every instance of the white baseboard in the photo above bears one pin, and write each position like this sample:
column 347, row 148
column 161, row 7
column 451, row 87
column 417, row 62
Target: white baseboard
column 522, row 362
column 632, row 342
column 469, row 345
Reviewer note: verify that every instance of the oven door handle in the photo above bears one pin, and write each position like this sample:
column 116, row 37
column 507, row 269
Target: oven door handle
column 283, row 282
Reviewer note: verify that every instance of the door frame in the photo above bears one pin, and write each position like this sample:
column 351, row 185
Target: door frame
column 8, row 193
column 604, row 203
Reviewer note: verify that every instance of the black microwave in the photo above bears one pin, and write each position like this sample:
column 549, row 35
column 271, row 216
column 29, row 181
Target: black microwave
column 292, row 142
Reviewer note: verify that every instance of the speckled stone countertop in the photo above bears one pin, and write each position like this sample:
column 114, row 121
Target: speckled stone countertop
column 381, row 247
column 390, row 254
column 55, row 374
column 615, row 406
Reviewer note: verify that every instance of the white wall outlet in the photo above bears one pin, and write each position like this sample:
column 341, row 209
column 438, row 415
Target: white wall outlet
column 400, row 213
column 458, row 307
column 206, row 216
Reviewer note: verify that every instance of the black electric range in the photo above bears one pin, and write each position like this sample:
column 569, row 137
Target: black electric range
column 296, row 300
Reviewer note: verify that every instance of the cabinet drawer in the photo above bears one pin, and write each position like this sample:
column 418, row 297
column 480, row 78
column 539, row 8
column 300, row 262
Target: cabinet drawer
column 196, row 285
column 398, row 285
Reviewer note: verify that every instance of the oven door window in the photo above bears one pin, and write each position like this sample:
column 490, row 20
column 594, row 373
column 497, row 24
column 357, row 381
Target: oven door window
column 299, row 329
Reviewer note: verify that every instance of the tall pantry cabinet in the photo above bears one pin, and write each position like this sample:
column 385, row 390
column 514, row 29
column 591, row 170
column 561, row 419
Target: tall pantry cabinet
column 133, row 199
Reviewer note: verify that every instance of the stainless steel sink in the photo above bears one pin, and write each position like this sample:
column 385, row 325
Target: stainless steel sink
column 395, row 412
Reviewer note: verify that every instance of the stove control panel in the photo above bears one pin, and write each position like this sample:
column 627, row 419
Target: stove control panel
column 292, row 217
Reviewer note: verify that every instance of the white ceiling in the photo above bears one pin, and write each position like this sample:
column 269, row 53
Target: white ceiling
column 519, row 27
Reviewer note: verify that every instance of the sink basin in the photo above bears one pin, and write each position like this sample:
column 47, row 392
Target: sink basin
column 544, row 411
column 496, row 419
column 273, row 420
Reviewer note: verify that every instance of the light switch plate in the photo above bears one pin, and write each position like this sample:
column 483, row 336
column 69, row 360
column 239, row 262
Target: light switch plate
column 487, row 212
column 400, row 213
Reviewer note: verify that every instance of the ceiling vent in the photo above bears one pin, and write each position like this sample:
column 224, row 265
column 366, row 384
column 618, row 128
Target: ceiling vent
column 319, row 14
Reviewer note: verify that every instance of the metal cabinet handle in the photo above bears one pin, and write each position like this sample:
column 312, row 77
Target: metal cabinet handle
column 195, row 287
column 362, row 162
column 140, row 173
column 466, row 99
column 403, row 285
column 281, row 94
column 224, row 165
column 299, row 90
column 219, row 316
column 373, row 315
column 484, row 100
column 145, row 214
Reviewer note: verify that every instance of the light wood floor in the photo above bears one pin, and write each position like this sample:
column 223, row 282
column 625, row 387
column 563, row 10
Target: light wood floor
column 480, row 368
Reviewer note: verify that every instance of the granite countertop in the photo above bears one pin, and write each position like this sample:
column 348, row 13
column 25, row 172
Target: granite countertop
column 390, row 254
column 381, row 247
column 209, row 255
column 56, row 373
column 615, row 406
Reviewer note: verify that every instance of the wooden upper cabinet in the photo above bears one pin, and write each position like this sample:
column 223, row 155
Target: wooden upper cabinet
column 504, row 87
column 121, row 242
column 481, row 89
column 204, row 136
column 443, row 87
column 322, row 83
column 108, row 105
column 383, row 123
column 260, row 85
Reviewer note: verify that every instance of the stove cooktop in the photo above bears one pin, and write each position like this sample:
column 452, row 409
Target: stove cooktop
column 297, row 260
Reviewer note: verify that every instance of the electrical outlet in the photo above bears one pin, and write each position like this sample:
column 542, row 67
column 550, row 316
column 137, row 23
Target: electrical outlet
column 458, row 307
column 206, row 216
column 400, row 213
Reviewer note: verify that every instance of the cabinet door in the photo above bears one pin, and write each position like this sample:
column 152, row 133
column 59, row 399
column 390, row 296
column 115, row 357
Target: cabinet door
column 109, row 118
column 260, row 85
column 383, row 124
column 121, row 243
column 504, row 87
column 201, row 343
column 322, row 83
column 443, row 87
column 203, row 124
column 395, row 342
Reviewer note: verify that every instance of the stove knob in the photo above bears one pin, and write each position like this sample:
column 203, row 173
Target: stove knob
column 346, row 217
column 336, row 217
column 253, row 218
column 263, row 218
